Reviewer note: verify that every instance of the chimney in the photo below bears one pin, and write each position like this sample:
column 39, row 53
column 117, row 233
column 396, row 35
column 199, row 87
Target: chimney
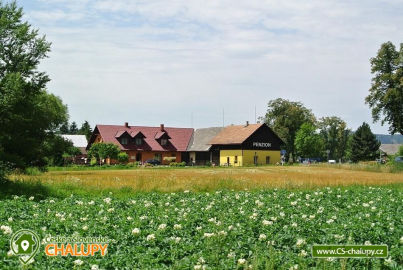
column 126, row 124
column 247, row 123
column 162, row 127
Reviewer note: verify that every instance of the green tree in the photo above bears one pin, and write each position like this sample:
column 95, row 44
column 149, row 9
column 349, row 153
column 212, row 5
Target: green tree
column 364, row 145
column 57, row 149
column 386, row 94
column 101, row 151
column 285, row 118
column 123, row 157
column 86, row 130
column 73, row 128
column 308, row 143
column 335, row 134
column 64, row 128
column 29, row 115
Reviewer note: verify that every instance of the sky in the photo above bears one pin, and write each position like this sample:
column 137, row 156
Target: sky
column 184, row 63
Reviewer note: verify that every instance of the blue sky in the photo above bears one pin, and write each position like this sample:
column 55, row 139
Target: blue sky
column 151, row 62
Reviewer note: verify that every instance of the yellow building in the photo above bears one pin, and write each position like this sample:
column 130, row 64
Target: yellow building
column 250, row 144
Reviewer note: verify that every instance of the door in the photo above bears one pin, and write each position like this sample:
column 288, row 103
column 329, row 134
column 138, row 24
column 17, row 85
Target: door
column 255, row 159
column 138, row 157
column 227, row 161
column 267, row 159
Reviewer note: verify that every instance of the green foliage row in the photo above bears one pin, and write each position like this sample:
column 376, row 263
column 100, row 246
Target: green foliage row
column 177, row 164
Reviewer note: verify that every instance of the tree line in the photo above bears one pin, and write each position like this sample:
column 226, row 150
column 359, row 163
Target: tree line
column 325, row 138
column 72, row 129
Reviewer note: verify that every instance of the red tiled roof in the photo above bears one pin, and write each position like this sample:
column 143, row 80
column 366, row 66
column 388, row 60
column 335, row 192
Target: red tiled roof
column 235, row 134
column 179, row 137
column 136, row 133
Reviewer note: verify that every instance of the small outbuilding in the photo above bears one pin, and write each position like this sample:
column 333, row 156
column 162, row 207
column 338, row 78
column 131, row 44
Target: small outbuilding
column 390, row 149
column 79, row 141
column 199, row 149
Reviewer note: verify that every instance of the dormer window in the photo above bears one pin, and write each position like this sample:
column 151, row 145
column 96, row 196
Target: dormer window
column 124, row 140
column 139, row 141
column 164, row 141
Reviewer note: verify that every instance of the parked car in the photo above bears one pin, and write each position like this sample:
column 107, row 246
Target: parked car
column 332, row 161
column 152, row 162
column 399, row 159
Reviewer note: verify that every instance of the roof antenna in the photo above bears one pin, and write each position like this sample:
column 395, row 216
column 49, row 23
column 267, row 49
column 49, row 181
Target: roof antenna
column 255, row 113
column 222, row 117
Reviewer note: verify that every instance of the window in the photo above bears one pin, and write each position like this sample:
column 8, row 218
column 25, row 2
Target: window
column 139, row 141
column 124, row 140
column 164, row 141
column 157, row 157
column 236, row 159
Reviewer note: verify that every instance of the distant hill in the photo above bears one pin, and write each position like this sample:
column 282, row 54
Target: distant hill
column 390, row 139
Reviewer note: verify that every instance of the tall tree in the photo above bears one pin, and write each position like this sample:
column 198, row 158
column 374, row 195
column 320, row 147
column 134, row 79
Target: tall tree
column 364, row 145
column 86, row 130
column 308, row 143
column 285, row 118
column 73, row 128
column 64, row 128
column 335, row 134
column 386, row 94
column 29, row 115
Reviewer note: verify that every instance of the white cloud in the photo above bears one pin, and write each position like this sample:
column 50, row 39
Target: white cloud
column 153, row 61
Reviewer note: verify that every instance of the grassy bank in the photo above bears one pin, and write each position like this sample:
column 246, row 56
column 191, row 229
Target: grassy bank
column 126, row 182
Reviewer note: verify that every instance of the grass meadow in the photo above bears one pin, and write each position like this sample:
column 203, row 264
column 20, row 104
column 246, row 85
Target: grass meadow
column 203, row 179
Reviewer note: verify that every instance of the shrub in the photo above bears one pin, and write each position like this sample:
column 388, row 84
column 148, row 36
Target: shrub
column 178, row 164
column 134, row 164
column 32, row 171
column 123, row 157
column 93, row 161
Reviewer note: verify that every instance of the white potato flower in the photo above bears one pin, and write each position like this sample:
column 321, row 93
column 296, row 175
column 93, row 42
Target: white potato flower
column 208, row 235
column 300, row 242
column 6, row 229
column 241, row 261
column 267, row 222
column 136, row 231
column 107, row 200
column 78, row 262
column 150, row 237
